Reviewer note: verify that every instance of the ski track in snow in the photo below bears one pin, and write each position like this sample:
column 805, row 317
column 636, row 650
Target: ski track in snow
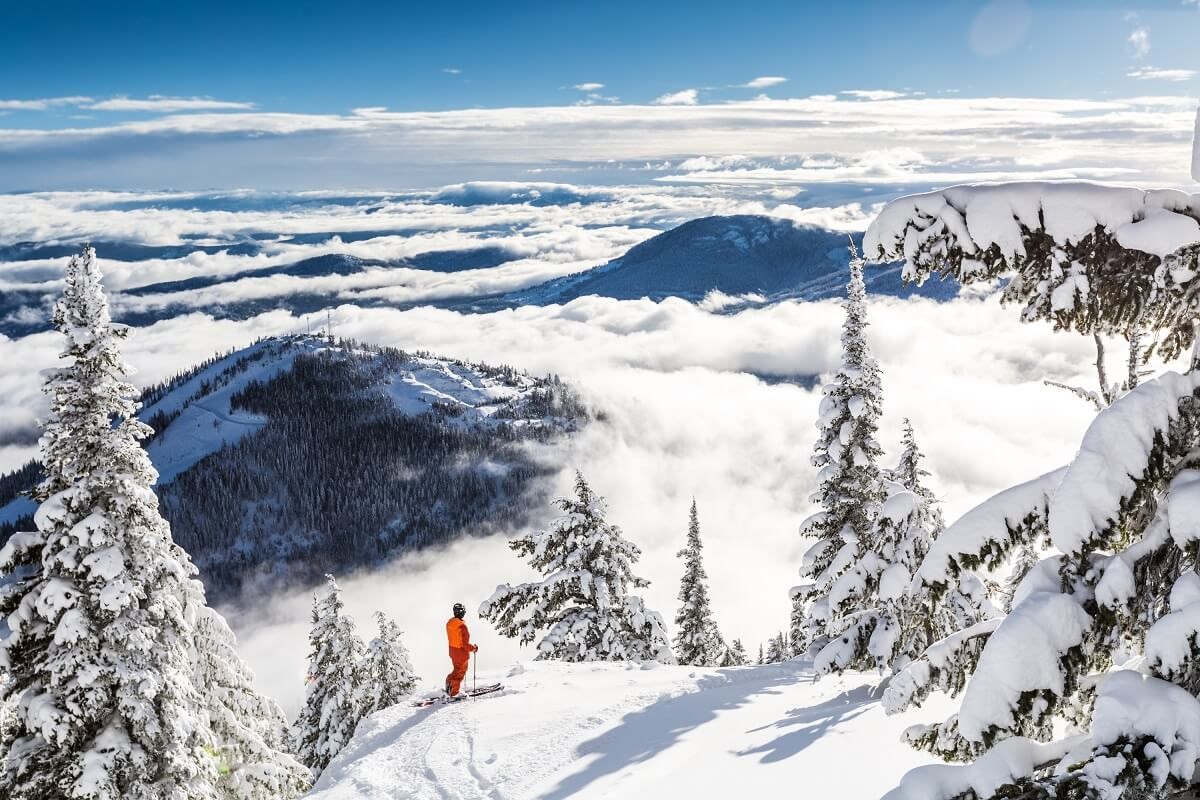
column 614, row 731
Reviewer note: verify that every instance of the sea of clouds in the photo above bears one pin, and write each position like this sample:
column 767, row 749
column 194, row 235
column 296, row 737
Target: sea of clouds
column 684, row 414
column 689, row 401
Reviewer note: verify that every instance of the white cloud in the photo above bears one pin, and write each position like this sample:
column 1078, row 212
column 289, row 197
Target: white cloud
column 1145, row 137
column 42, row 104
column 764, row 82
column 1156, row 73
column 589, row 87
column 452, row 70
column 686, row 97
column 1139, row 42
column 167, row 104
column 874, row 94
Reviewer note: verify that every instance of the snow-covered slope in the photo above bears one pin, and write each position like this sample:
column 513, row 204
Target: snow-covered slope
column 620, row 731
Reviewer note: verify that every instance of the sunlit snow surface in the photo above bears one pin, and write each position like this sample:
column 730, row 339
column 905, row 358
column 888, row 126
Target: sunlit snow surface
column 616, row 730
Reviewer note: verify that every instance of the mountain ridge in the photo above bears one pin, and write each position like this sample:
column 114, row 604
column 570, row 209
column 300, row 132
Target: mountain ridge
column 296, row 456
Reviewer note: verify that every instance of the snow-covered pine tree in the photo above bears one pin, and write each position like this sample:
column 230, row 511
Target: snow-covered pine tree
column 248, row 732
column 842, row 567
column 761, row 657
column 778, row 649
column 99, row 701
column 799, row 624
column 331, row 710
column 698, row 642
column 734, row 655
column 911, row 617
column 387, row 674
column 1025, row 559
column 583, row 603
column 1088, row 687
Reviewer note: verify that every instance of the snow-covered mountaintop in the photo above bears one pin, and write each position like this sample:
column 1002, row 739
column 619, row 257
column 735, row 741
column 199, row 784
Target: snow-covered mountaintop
column 617, row 730
column 766, row 257
column 204, row 418
column 250, row 446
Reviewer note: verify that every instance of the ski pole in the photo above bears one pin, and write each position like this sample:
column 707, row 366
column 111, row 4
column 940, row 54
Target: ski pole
column 474, row 664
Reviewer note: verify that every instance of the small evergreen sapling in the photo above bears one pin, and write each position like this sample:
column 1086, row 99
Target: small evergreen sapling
column 331, row 705
column 582, row 604
column 387, row 674
column 698, row 642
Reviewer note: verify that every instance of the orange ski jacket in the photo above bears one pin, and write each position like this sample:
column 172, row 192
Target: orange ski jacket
column 458, row 635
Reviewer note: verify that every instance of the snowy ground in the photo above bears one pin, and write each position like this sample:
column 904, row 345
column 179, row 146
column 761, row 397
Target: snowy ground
column 616, row 730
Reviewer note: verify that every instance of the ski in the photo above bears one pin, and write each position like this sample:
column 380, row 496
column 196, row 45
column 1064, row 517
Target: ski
column 441, row 699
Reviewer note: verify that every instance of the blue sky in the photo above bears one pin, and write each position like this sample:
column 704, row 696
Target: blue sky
column 330, row 57
column 355, row 95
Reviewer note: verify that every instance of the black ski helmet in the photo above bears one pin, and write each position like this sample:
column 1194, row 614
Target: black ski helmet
column 460, row 610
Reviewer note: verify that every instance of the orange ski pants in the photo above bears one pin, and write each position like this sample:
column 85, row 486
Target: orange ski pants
column 460, row 658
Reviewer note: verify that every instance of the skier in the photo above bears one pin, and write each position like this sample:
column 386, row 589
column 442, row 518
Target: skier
column 460, row 649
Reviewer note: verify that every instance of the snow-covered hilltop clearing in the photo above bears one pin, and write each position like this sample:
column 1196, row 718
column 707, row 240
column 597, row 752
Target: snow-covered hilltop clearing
column 249, row 444
column 616, row 730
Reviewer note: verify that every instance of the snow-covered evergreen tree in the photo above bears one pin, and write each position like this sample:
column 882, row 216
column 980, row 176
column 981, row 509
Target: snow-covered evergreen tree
column 911, row 617
column 1025, row 560
column 779, row 649
column 583, row 603
column 99, row 700
column 698, row 642
column 331, row 708
column 735, row 655
column 1087, row 689
column 248, row 732
column 799, row 625
column 387, row 674
column 842, row 567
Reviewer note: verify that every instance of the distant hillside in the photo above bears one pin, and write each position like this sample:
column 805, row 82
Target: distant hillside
column 735, row 255
column 771, row 258
column 292, row 458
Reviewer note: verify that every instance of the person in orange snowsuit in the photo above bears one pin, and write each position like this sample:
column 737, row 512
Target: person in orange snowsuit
column 460, row 649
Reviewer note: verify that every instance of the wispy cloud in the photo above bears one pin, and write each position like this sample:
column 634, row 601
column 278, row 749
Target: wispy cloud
column 452, row 70
column 1139, row 41
column 1155, row 73
column 167, row 105
column 686, row 97
column 589, row 87
column 764, row 82
column 42, row 103
column 874, row 94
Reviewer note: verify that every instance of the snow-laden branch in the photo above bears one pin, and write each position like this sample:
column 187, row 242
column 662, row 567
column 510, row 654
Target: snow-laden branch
column 1088, row 257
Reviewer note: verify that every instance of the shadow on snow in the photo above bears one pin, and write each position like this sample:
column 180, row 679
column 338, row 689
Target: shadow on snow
column 642, row 735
